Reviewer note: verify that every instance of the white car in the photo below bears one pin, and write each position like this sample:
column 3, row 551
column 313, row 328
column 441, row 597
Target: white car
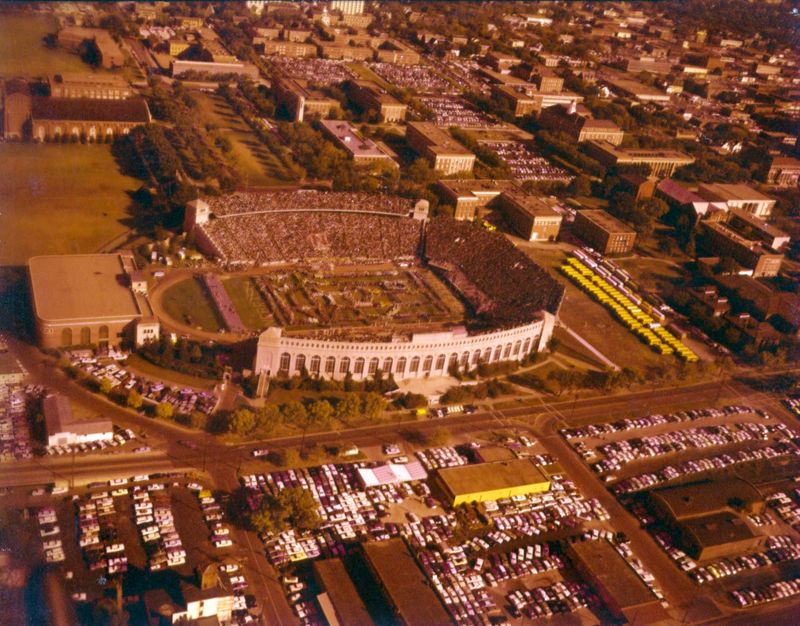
column 116, row 482
column 260, row 452
column 58, row 490
column 222, row 543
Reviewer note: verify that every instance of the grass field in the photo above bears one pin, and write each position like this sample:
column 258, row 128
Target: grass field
column 22, row 52
column 186, row 302
column 249, row 304
column 254, row 161
column 57, row 199
column 138, row 364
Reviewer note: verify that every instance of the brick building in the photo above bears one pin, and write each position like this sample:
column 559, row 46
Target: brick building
column 604, row 232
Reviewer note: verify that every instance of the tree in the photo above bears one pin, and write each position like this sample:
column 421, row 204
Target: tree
column 106, row 386
column 373, row 405
column 134, row 400
column 293, row 507
column 164, row 410
column 348, row 408
column 242, row 422
column 320, row 412
column 268, row 418
column 294, row 413
column 580, row 186
column 197, row 420
column 89, row 52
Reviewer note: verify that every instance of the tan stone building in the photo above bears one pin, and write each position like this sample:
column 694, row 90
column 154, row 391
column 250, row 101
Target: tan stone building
column 444, row 153
column 531, row 217
column 85, row 85
column 604, row 232
column 53, row 118
column 580, row 125
column 370, row 97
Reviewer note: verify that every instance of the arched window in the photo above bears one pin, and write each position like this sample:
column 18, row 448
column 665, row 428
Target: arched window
column 517, row 347
column 300, row 362
column 401, row 365
column 92, row 132
column 315, row 361
column 109, row 131
column 387, row 365
column 507, row 351
column 487, row 355
column 66, row 337
column 427, row 364
column 286, row 361
column 76, row 131
column 373, row 366
column 414, row 365
column 40, row 132
column 359, row 365
column 57, row 131
column 86, row 335
column 125, row 131
column 103, row 332
column 453, row 361
column 344, row 365
column 440, row 362
column 497, row 351
column 330, row 365
column 465, row 360
column 526, row 345
column 476, row 357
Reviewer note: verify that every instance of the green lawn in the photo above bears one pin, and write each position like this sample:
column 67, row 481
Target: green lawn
column 187, row 302
column 257, row 165
column 22, row 52
column 59, row 199
column 248, row 302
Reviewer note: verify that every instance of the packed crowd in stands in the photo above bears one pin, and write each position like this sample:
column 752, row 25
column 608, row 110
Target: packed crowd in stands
column 417, row 77
column 321, row 71
column 503, row 285
column 223, row 303
column 453, row 111
column 244, row 202
column 526, row 163
column 269, row 237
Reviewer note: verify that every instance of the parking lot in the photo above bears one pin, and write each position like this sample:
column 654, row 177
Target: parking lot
column 15, row 436
column 526, row 162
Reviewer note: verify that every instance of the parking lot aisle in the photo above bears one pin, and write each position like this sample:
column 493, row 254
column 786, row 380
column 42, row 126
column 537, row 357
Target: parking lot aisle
column 678, row 590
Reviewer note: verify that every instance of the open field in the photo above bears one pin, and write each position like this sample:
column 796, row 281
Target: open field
column 249, row 304
column 59, row 199
column 137, row 364
column 24, row 33
column 651, row 273
column 254, row 161
column 188, row 303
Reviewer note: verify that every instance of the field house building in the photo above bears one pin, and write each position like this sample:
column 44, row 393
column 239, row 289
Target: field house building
column 90, row 299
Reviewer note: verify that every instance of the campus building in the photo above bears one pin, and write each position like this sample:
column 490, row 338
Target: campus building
column 489, row 481
column 370, row 97
column 299, row 101
column 360, row 149
column 63, row 430
column 604, row 232
column 94, row 86
column 281, row 47
column 531, row 217
column 444, row 153
column 727, row 240
column 16, row 108
column 72, row 37
column 93, row 119
column 579, row 125
column 525, row 99
column 213, row 68
column 468, row 196
column 662, row 163
column 88, row 299
column 739, row 196
column 784, row 172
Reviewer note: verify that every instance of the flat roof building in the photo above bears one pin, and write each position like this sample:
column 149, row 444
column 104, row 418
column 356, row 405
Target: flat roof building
column 213, row 68
column 62, row 429
column 341, row 603
column 784, row 172
column 11, row 372
column 300, row 101
column 87, row 299
column 604, row 232
column 724, row 239
column 661, row 162
column 403, row 584
column 71, row 38
column 738, row 195
column 489, row 481
column 580, row 125
column 92, row 118
column 444, row 153
column 621, row 588
column 470, row 195
column 370, row 97
column 531, row 217
column 360, row 149
column 635, row 89
column 86, row 85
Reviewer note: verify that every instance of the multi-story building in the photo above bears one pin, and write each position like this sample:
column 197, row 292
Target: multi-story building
column 72, row 37
column 96, row 86
column 526, row 99
column 52, row 118
column 285, row 48
column 604, row 232
column 580, row 125
column 444, row 153
column 344, row 51
column 16, row 108
column 722, row 239
column 300, row 101
column 739, row 196
column 468, row 196
column 370, row 97
column 360, row 149
column 211, row 68
column 530, row 216
column 784, row 172
column 756, row 228
column 662, row 163
column 348, row 7
column 393, row 51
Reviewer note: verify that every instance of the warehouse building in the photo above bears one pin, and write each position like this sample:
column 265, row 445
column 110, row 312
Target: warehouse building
column 604, row 232
column 89, row 299
column 63, row 430
column 620, row 587
column 340, row 602
column 489, row 481
column 403, row 585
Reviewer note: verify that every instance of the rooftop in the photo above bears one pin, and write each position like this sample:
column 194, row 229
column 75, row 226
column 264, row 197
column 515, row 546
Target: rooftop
column 702, row 498
column 534, row 206
column 605, row 220
column 89, row 109
column 735, row 191
column 81, row 286
column 356, row 145
column 490, row 476
column 342, row 593
column 718, row 529
column 58, row 418
column 405, row 584
column 438, row 139
column 619, row 579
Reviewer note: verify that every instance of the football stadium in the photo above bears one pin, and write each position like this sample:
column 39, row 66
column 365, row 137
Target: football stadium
column 353, row 283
